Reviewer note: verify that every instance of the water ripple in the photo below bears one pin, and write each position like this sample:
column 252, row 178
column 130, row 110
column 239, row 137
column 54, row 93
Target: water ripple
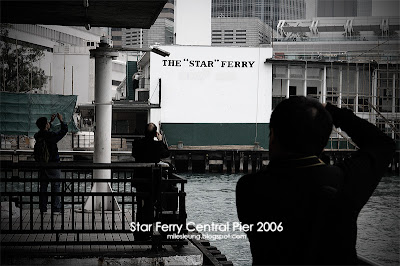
column 211, row 198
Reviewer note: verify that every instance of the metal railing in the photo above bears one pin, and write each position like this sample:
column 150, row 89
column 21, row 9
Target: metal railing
column 20, row 214
column 65, row 155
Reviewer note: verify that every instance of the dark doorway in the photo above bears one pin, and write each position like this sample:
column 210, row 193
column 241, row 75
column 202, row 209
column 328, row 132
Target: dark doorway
column 292, row 91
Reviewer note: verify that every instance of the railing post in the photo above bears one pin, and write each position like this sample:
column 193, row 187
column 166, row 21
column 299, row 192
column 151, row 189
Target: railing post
column 159, row 92
column 182, row 205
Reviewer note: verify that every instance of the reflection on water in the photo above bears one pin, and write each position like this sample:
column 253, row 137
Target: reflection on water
column 211, row 198
column 378, row 224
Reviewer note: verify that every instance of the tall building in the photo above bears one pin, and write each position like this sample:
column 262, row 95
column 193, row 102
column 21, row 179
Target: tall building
column 338, row 8
column 239, row 32
column 161, row 32
column 268, row 11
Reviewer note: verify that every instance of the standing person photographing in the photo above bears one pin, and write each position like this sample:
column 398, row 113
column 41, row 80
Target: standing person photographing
column 316, row 205
column 46, row 151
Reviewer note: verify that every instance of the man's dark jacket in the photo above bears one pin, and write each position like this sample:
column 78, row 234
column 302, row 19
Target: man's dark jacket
column 316, row 204
column 51, row 139
column 147, row 150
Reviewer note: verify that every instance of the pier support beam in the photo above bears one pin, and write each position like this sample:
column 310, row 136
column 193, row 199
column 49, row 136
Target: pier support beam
column 323, row 91
column 102, row 137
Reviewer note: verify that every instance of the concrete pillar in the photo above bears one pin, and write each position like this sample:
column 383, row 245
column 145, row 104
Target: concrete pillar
column 103, row 110
column 356, row 109
column 374, row 91
column 103, row 117
column 288, row 83
column 394, row 94
column 304, row 92
column 340, row 86
column 323, row 92
column 241, row 162
column 190, row 166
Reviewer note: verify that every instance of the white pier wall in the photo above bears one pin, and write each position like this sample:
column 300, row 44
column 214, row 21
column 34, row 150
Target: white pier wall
column 212, row 85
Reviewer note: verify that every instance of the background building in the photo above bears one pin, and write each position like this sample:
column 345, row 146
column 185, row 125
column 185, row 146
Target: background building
column 352, row 62
column 268, row 11
column 66, row 62
column 338, row 8
column 351, row 8
column 239, row 32
column 161, row 32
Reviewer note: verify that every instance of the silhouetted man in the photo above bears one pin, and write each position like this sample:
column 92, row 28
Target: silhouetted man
column 46, row 150
column 307, row 211
column 147, row 150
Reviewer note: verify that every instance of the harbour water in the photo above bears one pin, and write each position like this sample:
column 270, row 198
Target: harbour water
column 211, row 199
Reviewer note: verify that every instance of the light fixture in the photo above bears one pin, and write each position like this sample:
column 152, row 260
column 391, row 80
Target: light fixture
column 159, row 51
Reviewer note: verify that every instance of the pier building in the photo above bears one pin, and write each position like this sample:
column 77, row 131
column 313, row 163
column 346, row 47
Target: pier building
column 211, row 95
column 352, row 62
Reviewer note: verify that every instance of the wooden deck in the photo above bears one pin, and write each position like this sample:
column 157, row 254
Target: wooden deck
column 33, row 243
column 70, row 220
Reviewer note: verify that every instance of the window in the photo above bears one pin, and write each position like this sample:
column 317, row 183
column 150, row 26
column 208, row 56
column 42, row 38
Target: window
column 363, row 105
column 116, row 82
column 292, row 91
column 312, row 92
column 332, row 95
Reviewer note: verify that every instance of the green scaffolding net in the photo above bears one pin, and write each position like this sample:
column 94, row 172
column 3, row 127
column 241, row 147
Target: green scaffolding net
column 19, row 112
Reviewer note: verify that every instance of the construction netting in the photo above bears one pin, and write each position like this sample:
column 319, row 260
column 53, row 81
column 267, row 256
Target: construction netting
column 19, row 112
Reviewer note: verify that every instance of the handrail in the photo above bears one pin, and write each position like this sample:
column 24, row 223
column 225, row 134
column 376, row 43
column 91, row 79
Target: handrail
column 394, row 129
column 61, row 152
column 19, row 183
column 78, row 165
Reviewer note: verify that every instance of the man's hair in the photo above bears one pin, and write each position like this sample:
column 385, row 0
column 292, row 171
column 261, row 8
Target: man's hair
column 41, row 123
column 150, row 130
column 301, row 125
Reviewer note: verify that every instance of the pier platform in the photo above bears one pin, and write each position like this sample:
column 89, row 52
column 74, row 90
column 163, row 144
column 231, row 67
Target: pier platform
column 102, row 233
column 243, row 158
column 219, row 158
column 115, row 248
